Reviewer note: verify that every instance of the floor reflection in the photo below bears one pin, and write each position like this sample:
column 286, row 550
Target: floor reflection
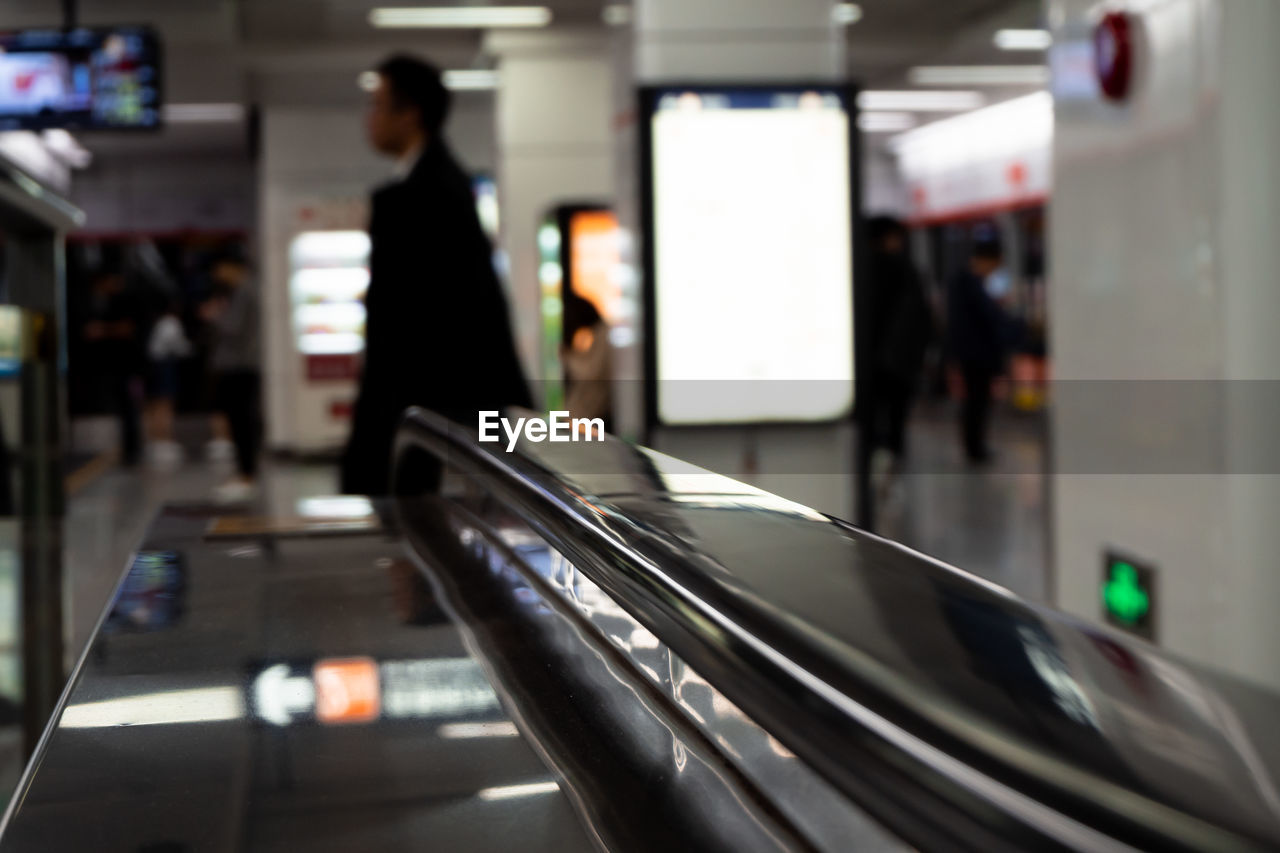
column 989, row 521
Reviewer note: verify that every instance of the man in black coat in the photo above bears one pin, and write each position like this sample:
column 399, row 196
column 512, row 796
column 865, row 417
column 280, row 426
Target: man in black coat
column 437, row 332
column 977, row 332
column 901, row 329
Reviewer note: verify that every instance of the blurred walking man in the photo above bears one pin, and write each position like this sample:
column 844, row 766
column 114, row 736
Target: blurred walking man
column 437, row 332
column 901, row 329
column 976, row 332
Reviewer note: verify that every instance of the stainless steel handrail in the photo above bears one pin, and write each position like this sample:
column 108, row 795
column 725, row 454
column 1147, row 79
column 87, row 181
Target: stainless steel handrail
column 933, row 760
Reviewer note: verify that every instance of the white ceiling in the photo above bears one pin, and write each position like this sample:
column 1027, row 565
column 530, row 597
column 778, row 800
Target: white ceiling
column 309, row 51
column 896, row 34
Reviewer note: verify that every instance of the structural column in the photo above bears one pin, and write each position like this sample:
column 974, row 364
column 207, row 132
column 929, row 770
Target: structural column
column 553, row 147
column 1163, row 307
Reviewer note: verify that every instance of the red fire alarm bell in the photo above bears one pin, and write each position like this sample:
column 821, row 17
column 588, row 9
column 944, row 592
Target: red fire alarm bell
column 1113, row 55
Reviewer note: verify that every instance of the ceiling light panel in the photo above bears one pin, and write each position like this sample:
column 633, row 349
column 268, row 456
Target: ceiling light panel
column 846, row 14
column 920, row 100
column 1023, row 39
column 616, row 14
column 979, row 75
column 471, row 80
column 878, row 122
column 459, row 80
column 473, row 17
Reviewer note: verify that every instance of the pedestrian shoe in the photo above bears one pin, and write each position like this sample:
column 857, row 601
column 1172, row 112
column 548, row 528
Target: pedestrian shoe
column 234, row 492
column 219, row 450
column 164, row 455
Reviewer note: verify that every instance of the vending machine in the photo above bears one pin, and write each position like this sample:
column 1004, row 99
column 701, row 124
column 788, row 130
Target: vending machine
column 328, row 277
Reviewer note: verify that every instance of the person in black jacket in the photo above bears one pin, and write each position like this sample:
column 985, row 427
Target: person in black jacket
column 976, row 336
column 901, row 329
column 113, row 334
column 437, row 332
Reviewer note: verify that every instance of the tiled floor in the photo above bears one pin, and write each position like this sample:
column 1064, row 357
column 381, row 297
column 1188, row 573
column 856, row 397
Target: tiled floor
column 989, row 521
column 106, row 520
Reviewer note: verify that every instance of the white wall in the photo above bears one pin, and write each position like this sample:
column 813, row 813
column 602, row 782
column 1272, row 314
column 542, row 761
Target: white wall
column 1164, row 254
column 472, row 131
column 311, row 158
column 883, row 190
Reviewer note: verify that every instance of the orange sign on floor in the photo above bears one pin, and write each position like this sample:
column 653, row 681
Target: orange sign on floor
column 347, row 690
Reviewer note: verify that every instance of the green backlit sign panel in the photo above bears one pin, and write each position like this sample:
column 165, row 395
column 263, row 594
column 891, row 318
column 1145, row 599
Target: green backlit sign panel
column 1128, row 593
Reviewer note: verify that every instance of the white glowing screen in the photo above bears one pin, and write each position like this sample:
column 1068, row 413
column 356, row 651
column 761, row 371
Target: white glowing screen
column 753, row 258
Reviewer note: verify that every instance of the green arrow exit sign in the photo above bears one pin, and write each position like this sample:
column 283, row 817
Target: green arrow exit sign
column 1128, row 594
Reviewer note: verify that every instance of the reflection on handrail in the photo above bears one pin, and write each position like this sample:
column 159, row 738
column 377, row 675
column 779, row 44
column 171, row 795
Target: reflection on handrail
column 197, row 705
column 507, row 792
column 950, row 710
column 341, row 691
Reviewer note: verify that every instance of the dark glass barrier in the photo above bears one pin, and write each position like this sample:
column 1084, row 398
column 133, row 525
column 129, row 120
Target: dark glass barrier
column 33, row 221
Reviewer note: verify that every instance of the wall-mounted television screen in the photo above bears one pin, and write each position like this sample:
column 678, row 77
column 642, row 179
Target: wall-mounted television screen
column 749, row 253
column 80, row 79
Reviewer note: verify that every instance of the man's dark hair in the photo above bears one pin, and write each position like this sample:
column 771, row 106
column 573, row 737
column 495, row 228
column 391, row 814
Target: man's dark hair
column 988, row 249
column 228, row 253
column 414, row 83
column 880, row 228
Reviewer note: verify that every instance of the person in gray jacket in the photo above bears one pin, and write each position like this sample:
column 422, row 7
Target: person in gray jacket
column 236, row 363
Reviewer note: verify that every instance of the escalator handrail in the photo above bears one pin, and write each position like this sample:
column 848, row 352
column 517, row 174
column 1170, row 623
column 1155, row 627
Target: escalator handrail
column 930, row 786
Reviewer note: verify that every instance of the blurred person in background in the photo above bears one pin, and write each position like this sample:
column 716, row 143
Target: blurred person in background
column 219, row 449
column 233, row 313
column 588, row 362
column 901, row 330
column 112, row 334
column 166, row 346
column 437, row 330
column 977, row 335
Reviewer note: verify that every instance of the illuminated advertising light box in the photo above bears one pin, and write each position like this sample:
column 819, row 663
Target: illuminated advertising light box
column 550, row 282
column 750, row 196
column 485, row 190
column 11, row 327
column 594, row 259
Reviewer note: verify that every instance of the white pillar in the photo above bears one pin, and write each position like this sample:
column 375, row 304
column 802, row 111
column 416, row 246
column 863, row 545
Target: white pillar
column 1164, row 258
column 737, row 40
column 554, row 146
